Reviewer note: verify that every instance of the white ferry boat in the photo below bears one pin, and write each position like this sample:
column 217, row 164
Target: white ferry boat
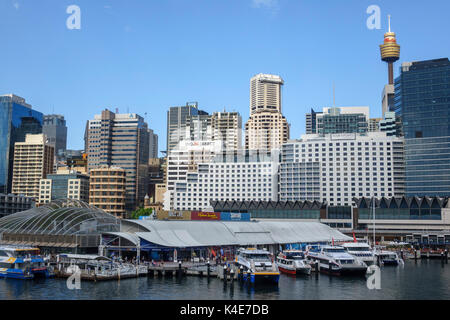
column 361, row 250
column 97, row 267
column 388, row 258
column 293, row 262
column 256, row 266
column 20, row 262
column 336, row 260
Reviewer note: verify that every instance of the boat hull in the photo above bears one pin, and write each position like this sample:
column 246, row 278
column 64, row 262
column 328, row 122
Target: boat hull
column 390, row 262
column 256, row 278
column 297, row 271
column 42, row 273
column 15, row 274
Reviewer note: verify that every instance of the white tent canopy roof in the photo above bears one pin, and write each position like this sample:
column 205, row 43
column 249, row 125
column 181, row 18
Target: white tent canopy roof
column 182, row 234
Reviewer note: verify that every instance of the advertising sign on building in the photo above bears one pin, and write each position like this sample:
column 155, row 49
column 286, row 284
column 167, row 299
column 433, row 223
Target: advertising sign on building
column 198, row 215
column 235, row 216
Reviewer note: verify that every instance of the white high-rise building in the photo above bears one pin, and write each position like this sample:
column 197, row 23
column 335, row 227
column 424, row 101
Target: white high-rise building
column 241, row 176
column 185, row 158
column 339, row 167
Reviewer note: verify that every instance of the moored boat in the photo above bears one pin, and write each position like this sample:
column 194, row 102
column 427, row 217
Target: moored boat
column 256, row 266
column 19, row 262
column 361, row 250
column 336, row 260
column 293, row 262
column 388, row 258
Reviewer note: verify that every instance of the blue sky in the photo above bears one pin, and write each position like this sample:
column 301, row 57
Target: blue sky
column 146, row 55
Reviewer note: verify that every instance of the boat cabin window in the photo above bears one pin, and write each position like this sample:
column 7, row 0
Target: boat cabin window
column 334, row 250
column 257, row 256
column 3, row 253
column 26, row 253
column 358, row 248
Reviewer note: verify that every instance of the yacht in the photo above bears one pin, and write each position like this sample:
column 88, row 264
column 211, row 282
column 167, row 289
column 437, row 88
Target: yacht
column 336, row 260
column 23, row 263
column 256, row 266
column 361, row 250
column 293, row 262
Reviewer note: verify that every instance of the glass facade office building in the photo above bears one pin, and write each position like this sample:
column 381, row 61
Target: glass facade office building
column 337, row 122
column 16, row 120
column 422, row 101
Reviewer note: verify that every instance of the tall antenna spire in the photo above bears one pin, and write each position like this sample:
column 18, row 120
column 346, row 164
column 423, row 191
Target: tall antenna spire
column 389, row 22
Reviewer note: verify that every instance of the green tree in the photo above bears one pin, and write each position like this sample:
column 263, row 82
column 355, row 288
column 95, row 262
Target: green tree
column 141, row 212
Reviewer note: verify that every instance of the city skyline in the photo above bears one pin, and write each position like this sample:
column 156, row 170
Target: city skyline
column 149, row 78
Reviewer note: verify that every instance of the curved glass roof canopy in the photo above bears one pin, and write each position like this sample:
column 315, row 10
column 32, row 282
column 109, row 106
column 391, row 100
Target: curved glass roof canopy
column 60, row 217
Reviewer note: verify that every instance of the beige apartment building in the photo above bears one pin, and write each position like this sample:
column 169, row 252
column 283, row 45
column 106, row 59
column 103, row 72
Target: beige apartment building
column 227, row 127
column 33, row 160
column 107, row 190
column 266, row 128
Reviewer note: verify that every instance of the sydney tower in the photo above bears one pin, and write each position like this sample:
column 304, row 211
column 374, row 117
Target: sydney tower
column 390, row 51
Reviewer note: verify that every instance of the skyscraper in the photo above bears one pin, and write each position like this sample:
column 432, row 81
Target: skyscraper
column 266, row 128
column 55, row 129
column 198, row 127
column 17, row 119
column 176, row 123
column 33, row 160
column 422, row 101
column 153, row 144
column 311, row 122
column 265, row 93
column 120, row 140
column 227, row 126
column 343, row 120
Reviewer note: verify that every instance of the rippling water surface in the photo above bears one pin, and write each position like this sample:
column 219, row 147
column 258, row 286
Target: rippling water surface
column 427, row 279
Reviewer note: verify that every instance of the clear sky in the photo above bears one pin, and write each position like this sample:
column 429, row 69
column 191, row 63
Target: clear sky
column 146, row 55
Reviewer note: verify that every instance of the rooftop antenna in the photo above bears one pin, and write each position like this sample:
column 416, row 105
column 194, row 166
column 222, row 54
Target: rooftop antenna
column 389, row 22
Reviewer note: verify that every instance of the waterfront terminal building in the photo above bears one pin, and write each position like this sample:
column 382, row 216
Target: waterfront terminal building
column 74, row 226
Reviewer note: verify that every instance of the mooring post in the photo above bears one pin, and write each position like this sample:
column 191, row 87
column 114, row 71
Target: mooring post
column 329, row 267
column 241, row 273
column 225, row 272
column 415, row 255
column 317, row 266
column 401, row 253
column 446, row 256
column 232, row 274
column 208, row 271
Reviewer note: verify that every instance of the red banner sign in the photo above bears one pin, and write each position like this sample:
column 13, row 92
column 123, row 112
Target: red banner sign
column 198, row 215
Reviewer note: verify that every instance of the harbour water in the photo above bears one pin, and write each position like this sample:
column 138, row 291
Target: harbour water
column 424, row 279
